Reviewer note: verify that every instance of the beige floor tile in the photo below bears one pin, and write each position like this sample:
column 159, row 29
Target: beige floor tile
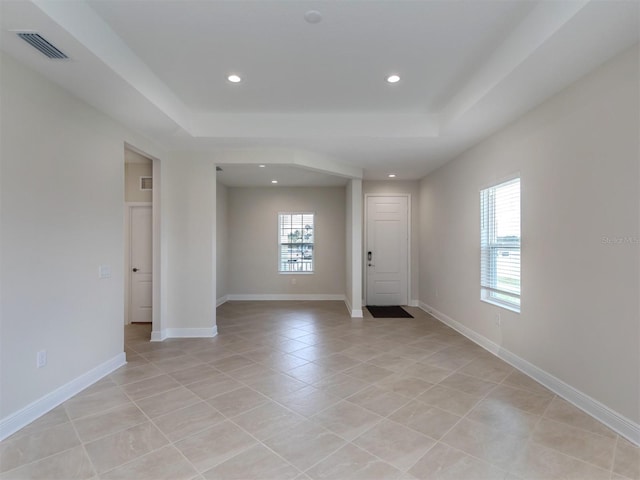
column 590, row 447
column 55, row 417
column 187, row 421
column 489, row 369
column 562, row 411
column 346, row 419
column 305, row 444
column 194, row 374
column 18, row 450
column 214, row 386
column 341, row 385
column 428, row 373
column 469, row 385
column 168, row 401
column 234, row 362
column 445, row 463
column 237, row 401
column 167, row 463
column 100, row 386
column 283, row 362
column 129, row 374
column 338, row 362
column 106, row 423
column 71, row 464
column 308, row 401
column 520, row 380
column 170, row 365
column 368, row 373
column 453, row 401
column 251, row 373
column 378, row 400
column 122, row 447
column 538, row 463
column 528, row 401
column 213, row 446
column 85, row 405
column 485, row 443
column 627, row 460
column 257, row 462
column 150, row 386
column 504, row 418
column 448, row 358
column 361, row 352
column 403, row 385
column 392, row 362
column 276, row 385
column 311, row 372
column 352, row 463
column 426, row 419
column 267, row 420
column 395, row 444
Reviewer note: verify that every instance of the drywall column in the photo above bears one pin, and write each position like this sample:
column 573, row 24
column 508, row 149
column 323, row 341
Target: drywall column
column 354, row 247
column 188, row 205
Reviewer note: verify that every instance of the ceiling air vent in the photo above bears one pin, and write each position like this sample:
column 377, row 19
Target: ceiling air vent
column 146, row 183
column 42, row 45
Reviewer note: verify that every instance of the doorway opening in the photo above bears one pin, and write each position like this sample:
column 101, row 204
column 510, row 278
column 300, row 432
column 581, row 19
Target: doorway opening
column 138, row 261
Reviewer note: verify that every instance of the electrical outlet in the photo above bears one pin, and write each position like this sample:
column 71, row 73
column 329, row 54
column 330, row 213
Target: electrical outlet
column 293, row 281
column 41, row 358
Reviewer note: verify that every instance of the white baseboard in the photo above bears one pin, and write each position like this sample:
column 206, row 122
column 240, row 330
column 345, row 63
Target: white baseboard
column 184, row 333
column 286, row 296
column 222, row 300
column 14, row 422
column 615, row 421
column 414, row 303
column 357, row 313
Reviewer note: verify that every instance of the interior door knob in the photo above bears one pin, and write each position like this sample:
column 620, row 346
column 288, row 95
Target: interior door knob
column 135, row 269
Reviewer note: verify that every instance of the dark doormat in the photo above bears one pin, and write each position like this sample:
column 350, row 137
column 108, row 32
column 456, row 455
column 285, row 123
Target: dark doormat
column 393, row 311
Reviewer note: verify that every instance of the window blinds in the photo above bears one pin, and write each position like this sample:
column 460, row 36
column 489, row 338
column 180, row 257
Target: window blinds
column 500, row 244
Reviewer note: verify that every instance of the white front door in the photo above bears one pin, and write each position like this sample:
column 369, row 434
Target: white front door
column 141, row 229
column 386, row 253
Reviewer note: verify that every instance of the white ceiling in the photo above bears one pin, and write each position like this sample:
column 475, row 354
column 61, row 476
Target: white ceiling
column 468, row 67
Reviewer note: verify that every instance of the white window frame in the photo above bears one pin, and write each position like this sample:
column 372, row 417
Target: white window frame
column 313, row 244
column 489, row 247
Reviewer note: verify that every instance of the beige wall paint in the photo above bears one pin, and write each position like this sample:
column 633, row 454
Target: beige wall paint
column 57, row 225
column 579, row 163
column 222, row 244
column 132, row 174
column 253, row 226
column 400, row 187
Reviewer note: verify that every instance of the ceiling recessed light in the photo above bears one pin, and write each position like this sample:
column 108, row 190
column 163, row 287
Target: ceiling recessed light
column 393, row 78
column 234, row 78
column 262, row 166
column 274, row 181
column 313, row 16
column 392, row 175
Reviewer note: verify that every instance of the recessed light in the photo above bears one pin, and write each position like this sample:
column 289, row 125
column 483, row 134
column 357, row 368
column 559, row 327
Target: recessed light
column 262, row 166
column 234, row 78
column 274, row 181
column 392, row 175
column 313, row 16
column 393, row 78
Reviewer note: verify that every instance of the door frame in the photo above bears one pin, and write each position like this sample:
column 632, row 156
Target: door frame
column 128, row 207
column 365, row 240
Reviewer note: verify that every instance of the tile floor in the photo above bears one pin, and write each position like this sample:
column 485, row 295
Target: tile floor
column 298, row 390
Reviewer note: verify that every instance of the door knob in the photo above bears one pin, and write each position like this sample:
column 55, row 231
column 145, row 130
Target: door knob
column 135, row 269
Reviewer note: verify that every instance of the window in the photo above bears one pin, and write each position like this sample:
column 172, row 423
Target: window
column 295, row 242
column 500, row 244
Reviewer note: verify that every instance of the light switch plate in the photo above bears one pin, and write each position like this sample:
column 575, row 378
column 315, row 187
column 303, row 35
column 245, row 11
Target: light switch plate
column 104, row 271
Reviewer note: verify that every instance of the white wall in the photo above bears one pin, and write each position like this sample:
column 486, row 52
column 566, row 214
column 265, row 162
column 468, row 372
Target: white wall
column 253, row 247
column 396, row 187
column 222, row 246
column 188, row 203
column 579, row 163
column 62, row 190
column 132, row 174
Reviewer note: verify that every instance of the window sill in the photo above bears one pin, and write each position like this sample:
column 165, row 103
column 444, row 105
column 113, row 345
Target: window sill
column 296, row 273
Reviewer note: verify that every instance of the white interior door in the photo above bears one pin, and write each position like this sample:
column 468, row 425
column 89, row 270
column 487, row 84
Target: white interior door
column 386, row 254
column 140, row 299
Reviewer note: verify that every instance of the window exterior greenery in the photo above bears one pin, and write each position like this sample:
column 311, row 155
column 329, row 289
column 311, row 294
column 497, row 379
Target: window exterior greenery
column 296, row 232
